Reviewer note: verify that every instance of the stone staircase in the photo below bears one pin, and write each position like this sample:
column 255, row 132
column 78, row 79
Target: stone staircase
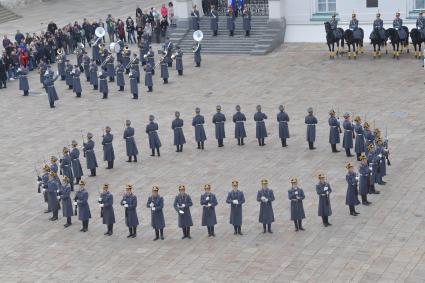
column 264, row 37
column 6, row 15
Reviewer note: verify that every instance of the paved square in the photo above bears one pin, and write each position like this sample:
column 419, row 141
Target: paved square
column 385, row 243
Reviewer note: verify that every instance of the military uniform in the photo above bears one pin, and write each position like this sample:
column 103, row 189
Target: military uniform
column 96, row 53
column 347, row 141
column 61, row 66
column 149, row 71
column 218, row 120
column 177, row 127
column 77, row 171
column 230, row 21
column 120, row 76
column 398, row 26
column 311, row 122
column 198, row 122
column 156, row 204
column 23, row 80
column 151, row 60
column 66, row 167
column 151, row 130
column 129, row 201
column 265, row 197
column 76, row 84
column 108, row 148
column 182, row 204
column 247, row 21
column 84, row 213
column 214, row 21
column 65, row 196
column 52, row 201
column 236, row 199
column 283, row 118
column 364, row 179
column 334, row 28
column 106, row 201
column 378, row 26
column 93, row 75
column 333, row 131
column 49, row 83
column 86, row 64
column 88, row 148
column 359, row 146
column 179, row 61
column 296, row 196
column 43, row 67
column 164, row 71
column 197, row 54
column 209, row 202
column 260, row 126
column 351, row 197
column 368, row 136
column 110, row 69
column 420, row 25
column 134, row 88
column 354, row 26
column 103, row 84
column 323, row 190
column 68, row 75
column 239, row 120
column 195, row 19
column 130, row 143
column 167, row 49
column 126, row 60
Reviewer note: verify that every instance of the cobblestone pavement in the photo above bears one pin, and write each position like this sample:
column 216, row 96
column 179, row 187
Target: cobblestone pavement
column 384, row 243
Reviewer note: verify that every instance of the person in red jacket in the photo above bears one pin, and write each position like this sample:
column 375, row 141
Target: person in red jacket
column 23, row 57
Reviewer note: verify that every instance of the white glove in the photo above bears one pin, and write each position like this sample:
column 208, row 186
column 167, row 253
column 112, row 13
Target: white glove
column 209, row 204
column 380, row 155
column 57, row 191
column 124, row 202
column 235, row 201
column 44, row 190
column 266, row 199
column 183, row 205
column 153, row 208
column 263, row 198
column 207, row 198
column 151, row 204
column 296, row 192
column 370, row 168
column 125, row 205
column 325, row 188
column 181, row 211
column 357, row 178
column 59, row 197
column 57, row 72
column 101, row 205
column 38, row 182
column 75, row 203
column 100, row 199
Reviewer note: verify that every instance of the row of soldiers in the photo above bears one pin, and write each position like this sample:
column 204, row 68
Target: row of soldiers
column 230, row 16
column 56, row 191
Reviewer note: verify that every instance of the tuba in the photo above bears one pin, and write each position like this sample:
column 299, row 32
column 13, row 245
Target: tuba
column 100, row 33
column 197, row 36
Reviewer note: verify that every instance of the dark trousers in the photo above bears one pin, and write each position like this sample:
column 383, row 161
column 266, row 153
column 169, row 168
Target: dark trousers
column 269, row 228
column 179, row 148
column 210, row 231
column 150, row 89
column 180, row 72
column 95, row 87
column 220, row 142
column 231, row 33
column 240, row 141
column 85, row 224
column 283, row 142
column 110, row 164
column 238, row 229
column 311, row 145
column 121, row 88
column 200, row 145
column 298, row 225
column 105, row 95
column 157, row 150
column 159, row 232
column 110, row 228
column 68, row 220
column 55, row 214
column 333, row 147
column 325, row 220
column 261, row 142
column 135, row 158
column 92, row 172
column 132, row 231
column 348, row 152
column 352, row 209
column 186, row 232
column 364, row 199
column 25, row 92
column 165, row 80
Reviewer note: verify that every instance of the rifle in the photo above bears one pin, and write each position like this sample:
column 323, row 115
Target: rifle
column 386, row 147
column 75, row 206
column 60, row 161
column 100, row 201
column 339, row 126
column 82, row 137
column 38, row 178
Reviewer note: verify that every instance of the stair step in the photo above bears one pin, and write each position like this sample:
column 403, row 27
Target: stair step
column 6, row 15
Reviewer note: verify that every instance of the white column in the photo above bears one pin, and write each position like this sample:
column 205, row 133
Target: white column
column 275, row 10
column 182, row 8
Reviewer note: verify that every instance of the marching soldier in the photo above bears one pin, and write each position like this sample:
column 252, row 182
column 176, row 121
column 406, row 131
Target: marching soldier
column 214, row 20
column 236, row 199
column 239, row 120
column 364, row 179
column 197, row 53
column 177, row 127
column 230, row 20
column 373, row 159
column 209, row 202
column 119, row 69
column 134, row 76
column 106, row 201
column 283, row 119
column 151, row 130
column 103, row 83
column 65, row 195
column 420, row 25
column 368, row 136
column 130, row 143
column 143, row 50
column 347, row 141
column 311, row 122
column 218, row 120
column 334, row 130
column 351, row 198
column 43, row 68
column 68, row 74
column 129, row 201
column 88, row 148
column 93, row 74
column 260, row 128
column 198, row 122
column 52, row 189
column 149, row 71
column 359, row 146
column 23, row 80
column 76, row 84
column 81, row 199
column 61, row 64
column 86, row 64
column 324, row 190
column 164, row 68
column 296, row 196
column 96, row 52
column 265, row 196
column 135, row 67
column 382, row 167
column 182, row 204
column 108, row 148
column 49, row 83
column 246, row 21
column 126, row 58
column 42, row 182
column 110, row 68
column 53, row 166
column 156, row 205
column 75, row 162
column 195, row 18
column 167, row 49
column 66, row 166
column 151, row 59
column 398, row 26
column 179, row 60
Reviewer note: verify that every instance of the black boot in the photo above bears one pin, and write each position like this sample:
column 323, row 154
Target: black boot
column 240, row 230
column 178, row 148
column 264, row 229
column 284, row 143
column 262, row 142
column 105, row 95
column 311, row 146
column 184, row 233
column 130, row 232
column 333, row 146
column 68, row 222
column 150, row 89
column 364, row 200
column 156, row 234
column 239, row 141
column 165, row 81
column 202, row 145
column 95, row 87
column 129, row 159
column 212, row 231
column 300, row 225
column 25, row 92
column 135, row 158
column 188, row 232
column 112, row 164
column 242, row 141
column 324, row 221
column 209, row 231
column 181, row 148
column 111, row 229
column 296, row 225
column 157, row 151
column 348, row 152
column 199, row 145
column 269, row 228
column 358, row 156
column 236, row 229
column 134, row 232
column 161, row 231
column 259, row 142
column 153, row 152
column 121, row 88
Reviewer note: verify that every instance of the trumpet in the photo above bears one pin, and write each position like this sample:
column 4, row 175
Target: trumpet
column 174, row 56
column 106, row 61
column 131, row 63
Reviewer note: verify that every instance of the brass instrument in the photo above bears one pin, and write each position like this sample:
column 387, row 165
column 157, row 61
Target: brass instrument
column 100, row 33
column 131, row 62
column 101, row 47
column 106, row 61
column 197, row 36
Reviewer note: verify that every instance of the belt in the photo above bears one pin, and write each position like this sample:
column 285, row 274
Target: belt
column 129, row 137
column 177, row 128
column 239, row 122
column 334, row 126
column 348, row 130
column 219, row 122
column 103, row 79
column 283, row 121
column 364, row 175
column 89, row 150
column 370, row 140
column 66, row 165
column 360, row 134
column 259, row 121
column 74, row 159
column 311, row 124
column 107, row 143
column 198, row 125
column 152, row 132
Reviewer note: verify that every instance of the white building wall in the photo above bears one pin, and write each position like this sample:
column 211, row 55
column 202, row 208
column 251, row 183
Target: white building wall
column 301, row 28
